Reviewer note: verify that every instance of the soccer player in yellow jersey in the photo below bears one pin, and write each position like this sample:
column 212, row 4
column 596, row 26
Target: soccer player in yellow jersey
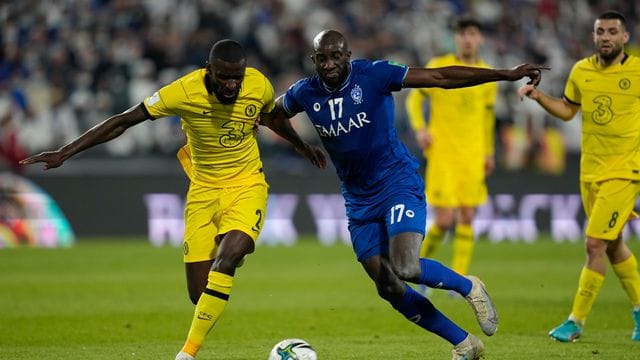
column 606, row 88
column 219, row 106
column 458, row 145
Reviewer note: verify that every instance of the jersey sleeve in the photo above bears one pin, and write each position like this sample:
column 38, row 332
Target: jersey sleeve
column 415, row 112
column 290, row 99
column 163, row 102
column 571, row 90
column 491, row 93
column 414, row 104
column 268, row 99
column 389, row 74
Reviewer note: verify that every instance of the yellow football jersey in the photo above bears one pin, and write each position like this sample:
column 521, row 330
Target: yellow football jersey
column 221, row 147
column 461, row 121
column 610, row 102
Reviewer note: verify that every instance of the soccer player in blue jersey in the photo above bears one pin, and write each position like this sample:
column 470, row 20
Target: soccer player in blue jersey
column 350, row 104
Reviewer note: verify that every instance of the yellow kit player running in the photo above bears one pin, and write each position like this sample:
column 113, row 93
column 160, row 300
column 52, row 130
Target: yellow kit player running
column 458, row 146
column 219, row 106
column 606, row 88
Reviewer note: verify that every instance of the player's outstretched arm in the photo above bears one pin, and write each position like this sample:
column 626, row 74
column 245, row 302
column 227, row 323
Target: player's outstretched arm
column 560, row 108
column 103, row 132
column 450, row 77
column 279, row 122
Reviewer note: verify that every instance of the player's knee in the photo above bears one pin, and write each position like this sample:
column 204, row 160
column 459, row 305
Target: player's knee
column 224, row 264
column 407, row 272
column 445, row 221
column 445, row 225
column 595, row 248
column 227, row 263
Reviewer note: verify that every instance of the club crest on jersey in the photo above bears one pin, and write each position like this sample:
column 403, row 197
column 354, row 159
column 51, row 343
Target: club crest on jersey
column 356, row 94
column 250, row 110
column 624, row 84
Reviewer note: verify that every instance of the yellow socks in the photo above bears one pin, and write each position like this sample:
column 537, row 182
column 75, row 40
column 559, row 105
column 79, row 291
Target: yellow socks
column 432, row 241
column 590, row 283
column 588, row 288
column 208, row 310
column 462, row 246
column 462, row 249
column 627, row 272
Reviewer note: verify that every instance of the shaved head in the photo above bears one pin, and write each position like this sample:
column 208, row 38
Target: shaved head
column 225, row 70
column 330, row 37
column 331, row 57
column 228, row 51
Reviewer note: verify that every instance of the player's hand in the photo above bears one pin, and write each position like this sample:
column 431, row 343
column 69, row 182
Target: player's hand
column 424, row 138
column 528, row 91
column 315, row 155
column 533, row 72
column 51, row 159
column 489, row 165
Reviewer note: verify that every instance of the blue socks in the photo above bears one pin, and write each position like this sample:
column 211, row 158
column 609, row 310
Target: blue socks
column 436, row 275
column 420, row 310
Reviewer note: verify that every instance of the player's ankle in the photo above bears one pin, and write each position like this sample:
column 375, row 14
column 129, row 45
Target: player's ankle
column 579, row 322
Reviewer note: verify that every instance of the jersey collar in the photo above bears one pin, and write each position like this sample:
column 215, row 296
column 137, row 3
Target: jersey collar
column 622, row 61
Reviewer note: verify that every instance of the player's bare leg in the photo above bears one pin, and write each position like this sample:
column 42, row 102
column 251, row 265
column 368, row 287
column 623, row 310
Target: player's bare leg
column 197, row 273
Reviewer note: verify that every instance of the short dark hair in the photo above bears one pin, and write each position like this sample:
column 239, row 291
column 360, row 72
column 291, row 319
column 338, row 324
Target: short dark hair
column 613, row 15
column 227, row 50
column 464, row 23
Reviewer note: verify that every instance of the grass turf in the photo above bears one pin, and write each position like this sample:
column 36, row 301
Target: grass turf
column 123, row 299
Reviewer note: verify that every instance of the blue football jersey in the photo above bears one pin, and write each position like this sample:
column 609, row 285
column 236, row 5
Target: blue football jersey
column 356, row 124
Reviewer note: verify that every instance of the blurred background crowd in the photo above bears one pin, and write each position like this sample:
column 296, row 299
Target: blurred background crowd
column 66, row 65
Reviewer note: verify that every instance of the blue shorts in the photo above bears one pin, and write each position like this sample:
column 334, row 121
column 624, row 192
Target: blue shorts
column 404, row 210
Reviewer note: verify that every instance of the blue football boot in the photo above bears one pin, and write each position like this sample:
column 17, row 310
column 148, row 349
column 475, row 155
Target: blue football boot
column 568, row 331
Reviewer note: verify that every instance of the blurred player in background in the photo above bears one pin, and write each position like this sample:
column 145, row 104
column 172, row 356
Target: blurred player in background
column 350, row 104
column 219, row 106
column 606, row 88
column 458, row 146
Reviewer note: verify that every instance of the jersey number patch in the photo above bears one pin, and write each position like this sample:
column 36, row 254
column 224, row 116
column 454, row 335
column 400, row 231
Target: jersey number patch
column 335, row 105
column 234, row 136
column 398, row 212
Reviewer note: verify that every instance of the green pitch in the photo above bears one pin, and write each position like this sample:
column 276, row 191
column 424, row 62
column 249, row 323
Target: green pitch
column 116, row 299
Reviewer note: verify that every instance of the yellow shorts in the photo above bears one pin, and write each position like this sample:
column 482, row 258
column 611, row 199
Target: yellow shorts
column 211, row 212
column 608, row 205
column 453, row 184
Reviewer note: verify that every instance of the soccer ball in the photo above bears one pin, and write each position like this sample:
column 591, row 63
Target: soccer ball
column 293, row 349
